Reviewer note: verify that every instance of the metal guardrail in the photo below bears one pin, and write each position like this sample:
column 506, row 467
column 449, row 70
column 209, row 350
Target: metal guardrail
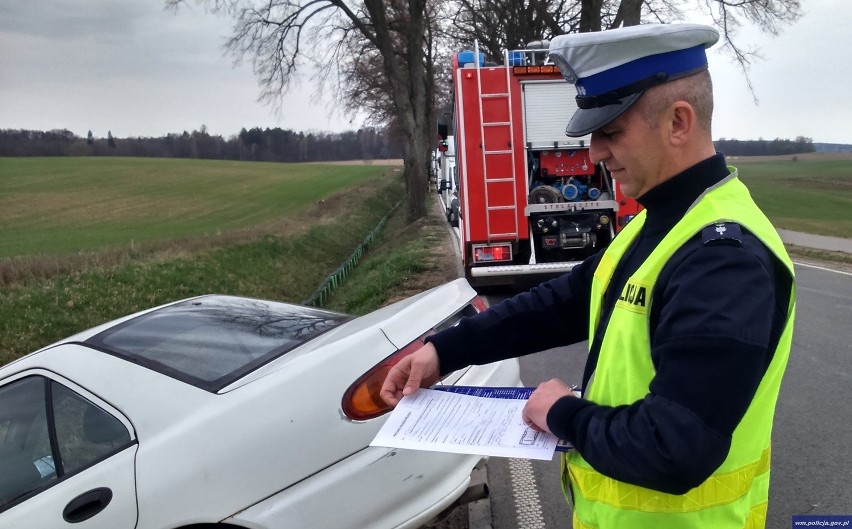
column 335, row 279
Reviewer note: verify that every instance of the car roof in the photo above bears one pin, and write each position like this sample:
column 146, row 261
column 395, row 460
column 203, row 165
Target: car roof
column 211, row 341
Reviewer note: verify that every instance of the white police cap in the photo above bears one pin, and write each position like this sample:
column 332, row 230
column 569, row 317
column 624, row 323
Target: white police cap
column 613, row 68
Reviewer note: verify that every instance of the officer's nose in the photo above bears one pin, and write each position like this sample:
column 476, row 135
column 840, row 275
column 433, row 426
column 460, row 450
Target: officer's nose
column 598, row 149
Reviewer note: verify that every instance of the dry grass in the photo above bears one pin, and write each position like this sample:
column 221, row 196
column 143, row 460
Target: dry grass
column 835, row 260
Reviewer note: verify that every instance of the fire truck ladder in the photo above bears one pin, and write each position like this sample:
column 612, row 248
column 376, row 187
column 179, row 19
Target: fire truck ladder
column 490, row 158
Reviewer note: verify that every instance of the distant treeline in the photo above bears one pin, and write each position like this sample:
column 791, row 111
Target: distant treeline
column 280, row 145
column 256, row 144
column 764, row 147
column 833, row 147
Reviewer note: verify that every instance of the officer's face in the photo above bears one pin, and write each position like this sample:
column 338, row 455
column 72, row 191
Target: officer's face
column 632, row 150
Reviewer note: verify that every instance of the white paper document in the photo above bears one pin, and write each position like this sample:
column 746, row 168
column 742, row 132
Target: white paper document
column 451, row 422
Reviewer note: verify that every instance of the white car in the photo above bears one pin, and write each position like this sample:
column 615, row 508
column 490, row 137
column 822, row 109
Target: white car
column 223, row 410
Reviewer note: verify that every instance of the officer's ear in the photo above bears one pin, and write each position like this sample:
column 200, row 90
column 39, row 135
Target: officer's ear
column 682, row 123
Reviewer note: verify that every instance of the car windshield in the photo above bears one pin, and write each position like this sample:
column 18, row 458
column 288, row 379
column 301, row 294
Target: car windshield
column 213, row 340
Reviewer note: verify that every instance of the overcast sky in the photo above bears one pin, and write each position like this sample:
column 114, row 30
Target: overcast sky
column 135, row 69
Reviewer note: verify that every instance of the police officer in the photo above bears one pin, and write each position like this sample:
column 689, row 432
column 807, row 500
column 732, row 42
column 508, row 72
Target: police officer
column 688, row 313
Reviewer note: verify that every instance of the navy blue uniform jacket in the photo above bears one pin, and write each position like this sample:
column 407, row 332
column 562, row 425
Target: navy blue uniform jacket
column 718, row 312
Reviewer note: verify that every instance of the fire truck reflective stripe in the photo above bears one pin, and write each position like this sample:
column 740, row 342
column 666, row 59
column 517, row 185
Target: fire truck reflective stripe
column 508, row 270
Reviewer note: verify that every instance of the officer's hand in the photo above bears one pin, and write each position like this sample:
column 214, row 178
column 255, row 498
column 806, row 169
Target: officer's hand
column 540, row 402
column 420, row 369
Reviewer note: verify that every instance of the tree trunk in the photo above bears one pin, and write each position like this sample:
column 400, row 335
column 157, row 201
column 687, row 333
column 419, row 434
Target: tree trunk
column 408, row 84
column 590, row 15
column 629, row 13
column 416, row 179
column 416, row 128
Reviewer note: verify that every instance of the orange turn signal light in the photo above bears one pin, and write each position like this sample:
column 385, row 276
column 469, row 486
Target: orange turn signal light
column 361, row 401
column 534, row 70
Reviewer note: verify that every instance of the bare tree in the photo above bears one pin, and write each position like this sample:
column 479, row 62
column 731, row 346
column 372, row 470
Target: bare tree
column 515, row 22
column 509, row 24
column 361, row 82
column 387, row 58
column 379, row 48
column 768, row 15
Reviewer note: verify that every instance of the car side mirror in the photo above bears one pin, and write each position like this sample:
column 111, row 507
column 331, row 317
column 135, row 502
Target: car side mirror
column 443, row 125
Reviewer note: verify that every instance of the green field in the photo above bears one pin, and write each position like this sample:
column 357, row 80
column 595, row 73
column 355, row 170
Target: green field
column 62, row 205
column 284, row 255
column 283, row 229
column 812, row 194
column 65, row 205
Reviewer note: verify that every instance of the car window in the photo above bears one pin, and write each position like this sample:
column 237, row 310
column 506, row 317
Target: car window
column 213, row 340
column 26, row 459
column 84, row 432
column 81, row 432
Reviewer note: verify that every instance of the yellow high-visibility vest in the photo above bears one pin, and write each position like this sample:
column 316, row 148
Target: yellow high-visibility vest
column 735, row 496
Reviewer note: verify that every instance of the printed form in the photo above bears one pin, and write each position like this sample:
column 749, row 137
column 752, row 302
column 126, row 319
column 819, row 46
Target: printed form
column 443, row 421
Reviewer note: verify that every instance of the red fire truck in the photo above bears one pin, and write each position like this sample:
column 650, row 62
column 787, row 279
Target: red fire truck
column 530, row 199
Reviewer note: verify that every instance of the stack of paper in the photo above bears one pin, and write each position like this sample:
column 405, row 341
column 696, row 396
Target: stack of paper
column 474, row 423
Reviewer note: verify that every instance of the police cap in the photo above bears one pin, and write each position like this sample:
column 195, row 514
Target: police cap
column 612, row 69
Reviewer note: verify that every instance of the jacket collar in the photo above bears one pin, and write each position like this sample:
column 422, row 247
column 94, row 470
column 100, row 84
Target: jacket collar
column 669, row 201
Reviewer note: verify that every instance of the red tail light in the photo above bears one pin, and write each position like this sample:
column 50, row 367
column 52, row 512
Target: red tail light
column 479, row 304
column 486, row 253
column 362, row 401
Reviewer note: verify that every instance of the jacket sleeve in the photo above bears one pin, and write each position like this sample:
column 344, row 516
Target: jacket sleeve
column 711, row 345
column 551, row 314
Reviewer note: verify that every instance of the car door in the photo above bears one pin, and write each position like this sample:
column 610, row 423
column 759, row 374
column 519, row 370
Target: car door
column 66, row 460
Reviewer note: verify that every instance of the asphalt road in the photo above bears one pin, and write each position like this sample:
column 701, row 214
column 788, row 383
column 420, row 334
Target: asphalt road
column 812, row 439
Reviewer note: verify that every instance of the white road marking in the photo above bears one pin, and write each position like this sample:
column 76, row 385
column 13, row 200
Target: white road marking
column 806, row 265
column 527, row 505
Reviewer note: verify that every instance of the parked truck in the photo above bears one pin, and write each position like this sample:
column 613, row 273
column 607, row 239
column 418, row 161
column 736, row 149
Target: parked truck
column 531, row 201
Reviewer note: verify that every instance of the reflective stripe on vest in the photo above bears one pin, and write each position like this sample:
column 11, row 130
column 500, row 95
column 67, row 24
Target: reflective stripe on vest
column 756, row 519
column 732, row 497
column 719, row 489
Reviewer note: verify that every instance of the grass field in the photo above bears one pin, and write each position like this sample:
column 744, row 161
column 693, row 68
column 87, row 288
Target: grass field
column 67, row 205
column 268, row 262
column 61, row 205
column 271, row 231
column 812, row 194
